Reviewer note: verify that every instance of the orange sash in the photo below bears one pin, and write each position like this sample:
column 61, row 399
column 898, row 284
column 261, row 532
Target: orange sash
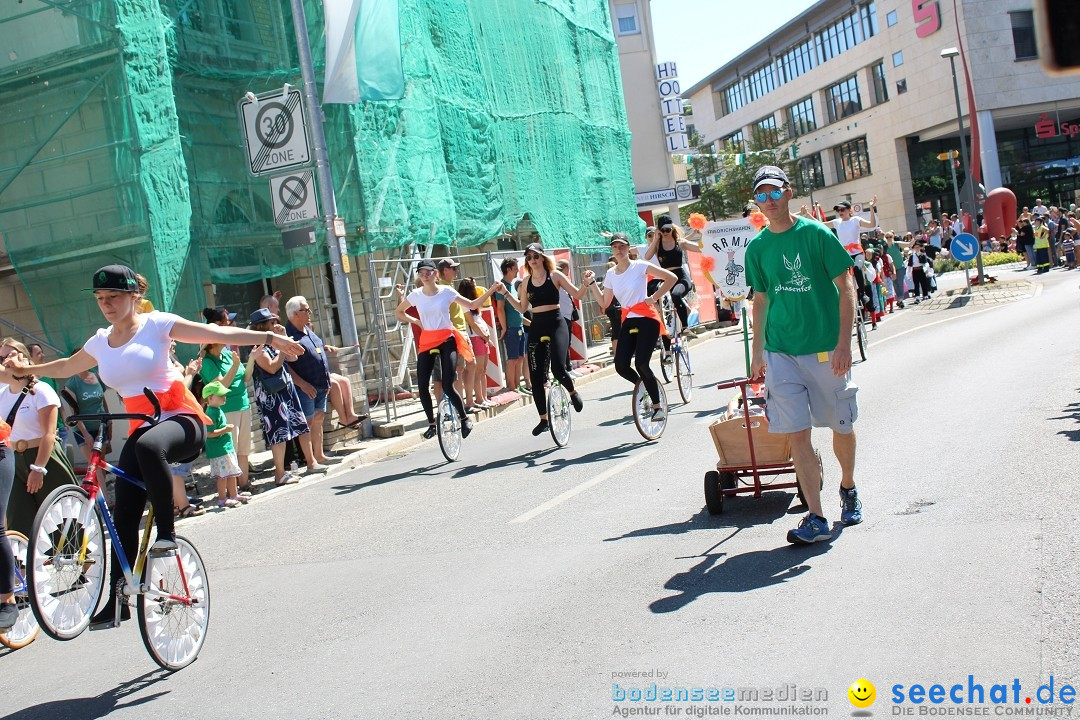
column 646, row 309
column 177, row 397
column 434, row 338
column 5, row 431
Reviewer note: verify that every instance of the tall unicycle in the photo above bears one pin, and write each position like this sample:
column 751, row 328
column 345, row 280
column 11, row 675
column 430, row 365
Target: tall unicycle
column 667, row 356
column 449, row 429
column 860, row 330
column 25, row 629
column 650, row 420
column 559, row 414
column 683, row 372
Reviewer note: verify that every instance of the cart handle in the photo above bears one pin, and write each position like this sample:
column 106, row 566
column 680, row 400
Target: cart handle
column 734, row 382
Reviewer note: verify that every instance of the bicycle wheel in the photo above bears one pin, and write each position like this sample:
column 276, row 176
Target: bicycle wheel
column 860, row 333
column 26, row 628
column 559, row 414
column 174, row 608
column 65, row 562
column 683, row 373
column 449, row 429
column 649, row 428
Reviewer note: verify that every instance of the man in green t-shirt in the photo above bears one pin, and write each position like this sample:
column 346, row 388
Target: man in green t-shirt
column 804, row 307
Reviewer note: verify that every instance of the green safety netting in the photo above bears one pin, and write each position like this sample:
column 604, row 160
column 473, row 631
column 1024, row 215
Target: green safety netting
column 119, row 139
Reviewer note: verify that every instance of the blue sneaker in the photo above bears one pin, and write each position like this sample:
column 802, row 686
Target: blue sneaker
column 850, row 506
column 810, row 530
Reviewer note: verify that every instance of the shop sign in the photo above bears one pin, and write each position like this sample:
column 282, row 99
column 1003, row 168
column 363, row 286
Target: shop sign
column 927, row 17
column 1047, row 128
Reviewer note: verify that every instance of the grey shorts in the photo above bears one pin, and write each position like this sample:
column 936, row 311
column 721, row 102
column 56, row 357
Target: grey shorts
column 802, row 392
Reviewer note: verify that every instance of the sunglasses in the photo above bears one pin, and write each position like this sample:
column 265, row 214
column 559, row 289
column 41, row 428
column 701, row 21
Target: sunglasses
column 666, row 231
column 771, row 195
column 532, row 256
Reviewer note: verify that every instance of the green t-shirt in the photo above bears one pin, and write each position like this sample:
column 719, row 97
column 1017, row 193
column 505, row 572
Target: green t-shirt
column 221, row 445
column 91, row 399
column 795, row 270
column 897, row 255
column 513, row 317
column 213, row 368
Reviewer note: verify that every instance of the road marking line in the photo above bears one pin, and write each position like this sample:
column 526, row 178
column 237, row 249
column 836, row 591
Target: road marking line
column 559, row 499
column 923, row 327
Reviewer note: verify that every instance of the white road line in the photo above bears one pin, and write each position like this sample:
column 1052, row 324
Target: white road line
column 559, row 499
column 923, row 327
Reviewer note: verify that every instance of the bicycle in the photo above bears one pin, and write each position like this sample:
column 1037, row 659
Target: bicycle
column 66, row 565
column 558, row 403
column 860, row 314
column 676, row 361
column 25, row 629
column 447, row 424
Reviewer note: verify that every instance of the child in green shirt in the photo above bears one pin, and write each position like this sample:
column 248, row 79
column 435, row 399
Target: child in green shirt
column 219, row 447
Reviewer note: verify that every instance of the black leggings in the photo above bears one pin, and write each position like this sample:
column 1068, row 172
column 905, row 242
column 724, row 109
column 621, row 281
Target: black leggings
column 7, row 559
column 146, row 455
column 639, row 346
column 447, row 354
column 920, row 284
column 548, row 324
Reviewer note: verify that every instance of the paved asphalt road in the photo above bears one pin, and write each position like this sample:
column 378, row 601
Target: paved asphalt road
column 525, row 581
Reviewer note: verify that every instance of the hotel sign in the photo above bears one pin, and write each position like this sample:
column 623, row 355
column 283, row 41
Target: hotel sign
column 671, row 108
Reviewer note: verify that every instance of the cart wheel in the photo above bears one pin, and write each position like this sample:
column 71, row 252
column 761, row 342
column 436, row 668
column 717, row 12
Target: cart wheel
column 727, row 480
column 714, row 496
column 821, row 471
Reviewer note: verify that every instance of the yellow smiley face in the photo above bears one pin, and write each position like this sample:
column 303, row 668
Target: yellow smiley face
column 862, row 693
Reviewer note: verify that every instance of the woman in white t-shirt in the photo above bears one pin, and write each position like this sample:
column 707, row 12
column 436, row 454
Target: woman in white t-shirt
column 9, row 611
column 432, row 302
column 641, row 326
column 38, row 469
column 132, row 354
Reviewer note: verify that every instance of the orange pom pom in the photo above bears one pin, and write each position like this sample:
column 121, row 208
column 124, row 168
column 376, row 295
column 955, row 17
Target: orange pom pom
column 758, row 220
column 697, row 221
column 707, row 264
column 5, row 431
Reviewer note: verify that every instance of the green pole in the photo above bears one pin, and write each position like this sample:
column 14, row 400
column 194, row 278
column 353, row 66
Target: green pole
column 746, row 340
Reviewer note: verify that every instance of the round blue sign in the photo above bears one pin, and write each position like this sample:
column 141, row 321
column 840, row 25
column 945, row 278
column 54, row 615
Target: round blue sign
column 964, row 247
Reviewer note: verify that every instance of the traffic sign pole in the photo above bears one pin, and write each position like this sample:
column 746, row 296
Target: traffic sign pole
column 324, row 180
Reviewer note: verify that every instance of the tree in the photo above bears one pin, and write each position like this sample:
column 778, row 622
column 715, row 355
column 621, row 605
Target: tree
column 726, row 178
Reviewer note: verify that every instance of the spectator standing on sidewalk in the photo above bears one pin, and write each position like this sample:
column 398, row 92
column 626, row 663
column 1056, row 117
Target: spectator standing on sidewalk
column 1042, row 246
column 895, row 250
column 804, row 305
column 1025, row 241
column 475, row 397
column 219, row 447
column 220, row 364
column 310, row 373
column 511, row 327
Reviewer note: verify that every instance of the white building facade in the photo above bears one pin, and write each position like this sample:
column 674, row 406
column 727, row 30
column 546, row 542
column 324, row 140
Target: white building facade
column 862, row 88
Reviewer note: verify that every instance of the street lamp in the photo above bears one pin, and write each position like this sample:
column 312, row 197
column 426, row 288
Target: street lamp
column 951, row 53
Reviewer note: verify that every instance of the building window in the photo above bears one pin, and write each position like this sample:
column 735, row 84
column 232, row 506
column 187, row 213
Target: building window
column 1023, row 29
column 843, row 99
column 626, row 17
column 901, row 86
column 808, row 174
column 801, row 117
column 881, row 90
column 898, row 58
column 891, row 18
column 732, row 143
column 847, row 32
column 852, row 160
column 796, row 61
column 731, row 98
column 760, row 82
column 768, row 123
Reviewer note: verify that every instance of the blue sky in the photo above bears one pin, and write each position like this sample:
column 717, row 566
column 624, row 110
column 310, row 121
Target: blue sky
column 702, row 35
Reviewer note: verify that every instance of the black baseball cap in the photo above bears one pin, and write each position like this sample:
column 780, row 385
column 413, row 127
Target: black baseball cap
column 425, row 265
column 842, row 205
column 535, row 247
column 663, row 221
column 650, row 229
column 770, row 175
column 447, row 263
column 619, row 238
column 115, row 277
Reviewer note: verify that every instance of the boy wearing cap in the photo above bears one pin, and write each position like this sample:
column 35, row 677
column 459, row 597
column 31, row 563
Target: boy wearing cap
column 804, row 306
column 219, row 447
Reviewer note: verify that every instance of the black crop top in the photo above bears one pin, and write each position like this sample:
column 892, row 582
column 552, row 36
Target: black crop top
column 670, row 259
column 545, row 294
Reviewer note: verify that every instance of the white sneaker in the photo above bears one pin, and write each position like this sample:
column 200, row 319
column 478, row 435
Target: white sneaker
column 163, row 548
column 317, row 468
